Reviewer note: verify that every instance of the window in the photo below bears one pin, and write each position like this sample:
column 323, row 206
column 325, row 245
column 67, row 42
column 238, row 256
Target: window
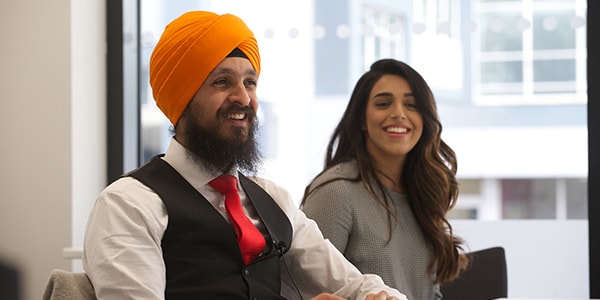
column 509, row 78
column 529, row 52
column 384, row 35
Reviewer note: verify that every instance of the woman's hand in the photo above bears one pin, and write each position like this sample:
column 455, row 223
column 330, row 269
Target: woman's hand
column 326, row 296
column 383, row 295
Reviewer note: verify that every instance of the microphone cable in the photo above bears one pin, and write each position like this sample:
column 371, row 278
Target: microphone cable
column 281, row 250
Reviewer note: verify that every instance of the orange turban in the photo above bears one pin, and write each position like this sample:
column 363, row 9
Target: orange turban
column 188, row 50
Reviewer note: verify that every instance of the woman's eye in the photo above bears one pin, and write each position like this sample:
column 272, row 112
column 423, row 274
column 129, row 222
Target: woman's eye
column 411, row 102
column 382, row 104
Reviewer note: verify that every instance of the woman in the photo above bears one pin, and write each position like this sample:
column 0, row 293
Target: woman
column 388, row 182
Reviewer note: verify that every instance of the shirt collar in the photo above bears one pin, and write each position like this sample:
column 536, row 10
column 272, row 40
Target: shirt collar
column 197, row 174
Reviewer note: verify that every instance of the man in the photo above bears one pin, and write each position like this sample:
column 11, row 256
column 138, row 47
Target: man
column 163, row 230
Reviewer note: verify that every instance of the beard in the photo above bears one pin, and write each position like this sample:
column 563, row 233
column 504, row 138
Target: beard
column 238, row 150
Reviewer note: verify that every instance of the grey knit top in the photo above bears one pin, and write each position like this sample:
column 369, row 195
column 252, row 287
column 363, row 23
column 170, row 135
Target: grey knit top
column 358, row 226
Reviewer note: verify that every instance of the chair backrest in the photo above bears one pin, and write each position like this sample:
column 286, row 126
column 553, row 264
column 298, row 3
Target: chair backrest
column 10, row 281
column 485, row 278
column 68, row 285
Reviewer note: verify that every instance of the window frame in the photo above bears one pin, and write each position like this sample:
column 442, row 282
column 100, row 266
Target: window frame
column 122, row 90
column 593, row 105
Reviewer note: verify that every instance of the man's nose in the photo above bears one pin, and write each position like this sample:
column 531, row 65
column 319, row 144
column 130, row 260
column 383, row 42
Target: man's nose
column 240, row 95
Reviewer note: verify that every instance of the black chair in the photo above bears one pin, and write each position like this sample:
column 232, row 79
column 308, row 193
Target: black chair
column 484, row 279
column 10, row 283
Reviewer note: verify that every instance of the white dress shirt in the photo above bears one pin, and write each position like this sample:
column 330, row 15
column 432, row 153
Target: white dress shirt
column 122, row 247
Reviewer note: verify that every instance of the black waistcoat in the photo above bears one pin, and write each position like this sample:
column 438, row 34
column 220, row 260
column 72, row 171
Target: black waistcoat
column 200, row 250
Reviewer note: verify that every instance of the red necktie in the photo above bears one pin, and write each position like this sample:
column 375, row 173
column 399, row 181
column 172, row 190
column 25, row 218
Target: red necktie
column 250, row 240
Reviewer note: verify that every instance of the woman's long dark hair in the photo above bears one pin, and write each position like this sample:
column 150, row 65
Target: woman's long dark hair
column 429, row 169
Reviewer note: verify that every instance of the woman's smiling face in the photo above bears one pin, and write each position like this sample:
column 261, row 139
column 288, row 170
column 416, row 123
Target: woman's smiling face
column 393, row 121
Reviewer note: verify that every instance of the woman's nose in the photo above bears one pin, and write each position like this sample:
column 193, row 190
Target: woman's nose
column 398, row 112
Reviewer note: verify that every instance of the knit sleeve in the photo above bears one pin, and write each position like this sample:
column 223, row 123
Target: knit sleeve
column 331, row 208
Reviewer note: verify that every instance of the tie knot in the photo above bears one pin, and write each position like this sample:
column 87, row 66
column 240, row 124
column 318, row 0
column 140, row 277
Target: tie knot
column 224, row 184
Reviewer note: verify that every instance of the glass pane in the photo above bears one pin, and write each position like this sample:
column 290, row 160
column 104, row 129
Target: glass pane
column 577, row 199
column 500, row 31
column 554, row 70
column 463, row 213
column 554, row 30
column 528, row 199
column 383, row 35
column 501, row 72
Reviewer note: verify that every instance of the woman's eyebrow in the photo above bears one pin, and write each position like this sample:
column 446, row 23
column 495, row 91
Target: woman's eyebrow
column 383, row 94
column 388, row 94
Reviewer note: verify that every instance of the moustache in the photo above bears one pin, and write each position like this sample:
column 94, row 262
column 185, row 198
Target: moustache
column 236, row 109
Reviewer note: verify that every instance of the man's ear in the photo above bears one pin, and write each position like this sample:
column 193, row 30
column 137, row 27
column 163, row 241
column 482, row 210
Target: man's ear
column 178, row 129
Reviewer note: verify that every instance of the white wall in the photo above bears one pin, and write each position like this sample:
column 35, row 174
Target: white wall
column 52, row 95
